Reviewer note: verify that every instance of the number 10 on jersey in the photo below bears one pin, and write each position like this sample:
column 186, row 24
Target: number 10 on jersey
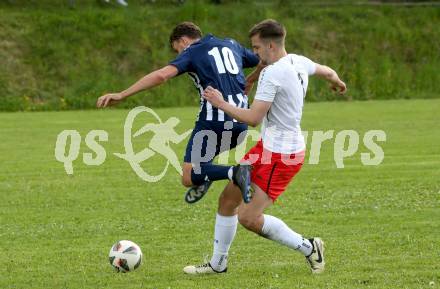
column 227, row 63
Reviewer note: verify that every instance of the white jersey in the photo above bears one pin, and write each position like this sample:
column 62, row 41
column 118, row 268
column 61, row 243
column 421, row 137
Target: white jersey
column 284, row 83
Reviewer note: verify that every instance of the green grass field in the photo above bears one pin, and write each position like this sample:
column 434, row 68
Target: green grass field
column 380, row 223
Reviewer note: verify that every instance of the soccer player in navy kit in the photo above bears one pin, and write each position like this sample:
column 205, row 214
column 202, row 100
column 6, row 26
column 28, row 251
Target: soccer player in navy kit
column 209, row 61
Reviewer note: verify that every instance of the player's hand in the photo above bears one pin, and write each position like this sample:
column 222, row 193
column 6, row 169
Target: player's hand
column 109, row 99
column 339, row 87
column 214, row 96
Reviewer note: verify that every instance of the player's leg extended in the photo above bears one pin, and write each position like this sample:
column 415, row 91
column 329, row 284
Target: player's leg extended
column 206, row 142
column 252, row 218
column 195, row 192
column 198, row 170
column 225, row 229
column 196, row 175
column 211, row 139
column 239, row 174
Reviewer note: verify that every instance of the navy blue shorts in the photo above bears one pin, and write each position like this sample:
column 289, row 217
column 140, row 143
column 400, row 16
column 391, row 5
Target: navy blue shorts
column 210, row 138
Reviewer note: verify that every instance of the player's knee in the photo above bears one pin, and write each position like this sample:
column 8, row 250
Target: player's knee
column 186, row 180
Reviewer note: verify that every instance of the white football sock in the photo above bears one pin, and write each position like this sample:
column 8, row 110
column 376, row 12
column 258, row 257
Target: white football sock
column 225, row 228
column 276, row 230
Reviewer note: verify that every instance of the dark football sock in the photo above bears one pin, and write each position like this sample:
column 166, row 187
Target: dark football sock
column 209, row 172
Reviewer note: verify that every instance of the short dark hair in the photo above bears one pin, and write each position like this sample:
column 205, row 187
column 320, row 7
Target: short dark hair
column 269, row 29
column 186, row 28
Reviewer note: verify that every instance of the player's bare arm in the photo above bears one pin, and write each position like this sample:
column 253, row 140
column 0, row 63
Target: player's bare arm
column 331, row 76
column 150, row 80
column 252, row 116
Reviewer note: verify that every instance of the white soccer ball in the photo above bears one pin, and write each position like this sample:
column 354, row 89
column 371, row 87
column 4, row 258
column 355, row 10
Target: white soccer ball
column 125, row 256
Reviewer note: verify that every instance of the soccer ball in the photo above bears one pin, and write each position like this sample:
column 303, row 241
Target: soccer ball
column 125, row 256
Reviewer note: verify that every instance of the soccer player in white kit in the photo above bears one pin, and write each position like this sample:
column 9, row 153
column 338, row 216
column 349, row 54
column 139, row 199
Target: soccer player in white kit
column 279, row 155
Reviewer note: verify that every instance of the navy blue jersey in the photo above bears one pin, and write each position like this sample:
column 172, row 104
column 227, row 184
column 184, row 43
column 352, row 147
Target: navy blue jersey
column 218, row 63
